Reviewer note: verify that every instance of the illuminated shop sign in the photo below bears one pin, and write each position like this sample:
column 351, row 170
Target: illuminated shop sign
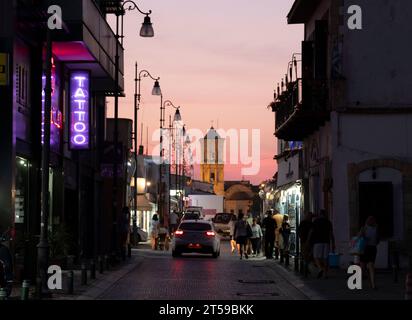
column 56, row 117
column 79, row 110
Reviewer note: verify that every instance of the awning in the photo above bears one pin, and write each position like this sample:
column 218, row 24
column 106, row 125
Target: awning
column 143, row 204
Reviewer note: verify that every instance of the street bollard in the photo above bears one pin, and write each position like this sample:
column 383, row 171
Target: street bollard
column 92, row 270
column 101, row 265
column 408, row 285
column 3, row 294
column 25, row 288
column 84, row 274
column 70, row 282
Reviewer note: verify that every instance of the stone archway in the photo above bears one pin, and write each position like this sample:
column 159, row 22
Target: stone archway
column 237, row 197
column 355, row 169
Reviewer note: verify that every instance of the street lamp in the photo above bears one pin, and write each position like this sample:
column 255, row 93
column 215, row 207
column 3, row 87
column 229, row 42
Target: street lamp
column 146, row 31
column 156, row 91
column 186, row 145
column 177, row 117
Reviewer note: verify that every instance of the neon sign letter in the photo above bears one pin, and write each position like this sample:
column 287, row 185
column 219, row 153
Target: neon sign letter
column 79, row 110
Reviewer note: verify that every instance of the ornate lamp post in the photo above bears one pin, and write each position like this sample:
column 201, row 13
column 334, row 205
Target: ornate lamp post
column 156, row 91
column 145, row 31
column 177, row 117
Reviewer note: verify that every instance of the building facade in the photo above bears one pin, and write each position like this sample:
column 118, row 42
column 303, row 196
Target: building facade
column 351, row 107
column 82, row 77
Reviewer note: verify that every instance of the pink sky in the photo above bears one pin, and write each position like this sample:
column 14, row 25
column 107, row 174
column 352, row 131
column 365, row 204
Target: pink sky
column 218, row 60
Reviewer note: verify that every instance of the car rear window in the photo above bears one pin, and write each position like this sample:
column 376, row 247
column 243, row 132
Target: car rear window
column 195, row 226
column 189, row 216
column 223, row 218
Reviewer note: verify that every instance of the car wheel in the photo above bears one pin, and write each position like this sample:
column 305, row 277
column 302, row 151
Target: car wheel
column 138, row 239
column 176, row 254
column 215, row 254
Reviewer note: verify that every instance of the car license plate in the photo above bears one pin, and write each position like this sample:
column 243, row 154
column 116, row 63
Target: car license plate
column 194, row 245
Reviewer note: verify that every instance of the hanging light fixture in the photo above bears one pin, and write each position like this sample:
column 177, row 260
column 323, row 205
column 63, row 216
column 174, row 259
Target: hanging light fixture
column 178, row 116
column 156, row 89
column 147, row 28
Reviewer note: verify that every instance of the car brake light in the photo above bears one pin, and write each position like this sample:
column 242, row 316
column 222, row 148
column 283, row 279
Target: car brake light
column 211, row 233
column 179, row 232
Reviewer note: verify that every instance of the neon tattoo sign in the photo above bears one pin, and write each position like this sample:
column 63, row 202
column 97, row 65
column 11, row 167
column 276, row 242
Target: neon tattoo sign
column 79, row 110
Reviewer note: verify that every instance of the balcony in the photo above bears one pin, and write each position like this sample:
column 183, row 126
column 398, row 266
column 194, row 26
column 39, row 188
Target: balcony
column 90, row 43
column 301, row 109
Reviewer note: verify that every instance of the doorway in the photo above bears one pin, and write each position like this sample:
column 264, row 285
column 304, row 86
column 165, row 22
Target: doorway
column 376, row 199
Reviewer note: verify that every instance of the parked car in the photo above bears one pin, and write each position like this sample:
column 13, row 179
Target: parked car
column 198, row 236
column 191, row 215
column 221, row 222
column 195, row 209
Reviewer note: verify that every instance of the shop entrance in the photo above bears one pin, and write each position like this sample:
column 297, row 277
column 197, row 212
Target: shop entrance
column 376, row 198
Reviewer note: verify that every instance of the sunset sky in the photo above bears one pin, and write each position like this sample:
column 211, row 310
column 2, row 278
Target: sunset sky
column 219, row 60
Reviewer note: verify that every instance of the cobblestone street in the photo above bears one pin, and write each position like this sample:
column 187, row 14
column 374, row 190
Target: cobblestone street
column 158, row 276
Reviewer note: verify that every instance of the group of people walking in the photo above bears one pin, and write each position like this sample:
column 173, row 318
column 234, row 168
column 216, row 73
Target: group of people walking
column 318, row 241
column 316, row 237
column 245, row 236
column 277, row 234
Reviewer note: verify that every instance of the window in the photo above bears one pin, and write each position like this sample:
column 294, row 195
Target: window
column 212, row 177
column 195, row 226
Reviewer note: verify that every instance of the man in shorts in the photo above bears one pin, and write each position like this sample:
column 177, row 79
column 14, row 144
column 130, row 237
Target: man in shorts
column 322, row 238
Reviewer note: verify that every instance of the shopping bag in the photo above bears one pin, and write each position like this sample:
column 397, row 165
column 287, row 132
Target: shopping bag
column 357, row 246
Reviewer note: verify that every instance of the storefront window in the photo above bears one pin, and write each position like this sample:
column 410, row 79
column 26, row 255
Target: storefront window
column 290, row 205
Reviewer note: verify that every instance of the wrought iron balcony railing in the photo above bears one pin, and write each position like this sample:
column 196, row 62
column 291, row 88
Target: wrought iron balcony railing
column 301, row 109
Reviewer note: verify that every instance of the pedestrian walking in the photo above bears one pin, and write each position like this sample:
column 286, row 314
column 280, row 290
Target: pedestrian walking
column 370, row 233
column 232, row 223
column 303, row 233
column 154, row 231
column 163, row 237
column 256, row 237
column 249, row 220
column 173, row 222
column 270, row 226
column 278, row 217
column 284, row 235
column 241, row 235
column 322, row 238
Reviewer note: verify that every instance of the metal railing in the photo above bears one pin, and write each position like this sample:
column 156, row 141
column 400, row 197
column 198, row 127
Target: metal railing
column 288, row 102
column 309, row 96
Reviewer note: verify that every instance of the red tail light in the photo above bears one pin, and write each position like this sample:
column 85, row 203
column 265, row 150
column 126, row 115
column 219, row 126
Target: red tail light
column 179, row 232
column 210, row 233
